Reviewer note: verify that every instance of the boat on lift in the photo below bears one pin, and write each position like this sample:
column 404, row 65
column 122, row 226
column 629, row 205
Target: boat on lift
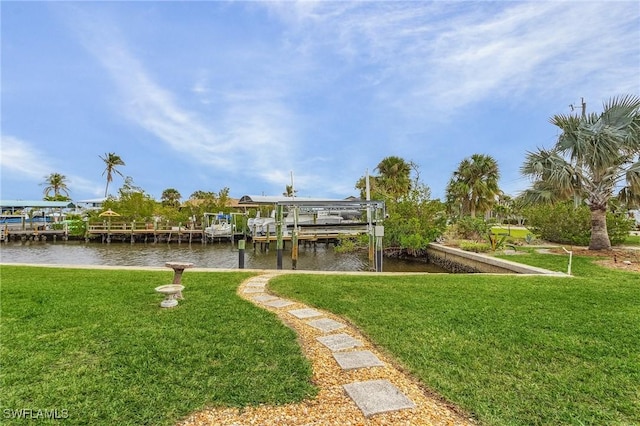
column 218, row 225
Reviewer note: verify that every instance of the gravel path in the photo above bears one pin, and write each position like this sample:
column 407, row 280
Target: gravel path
column 332, row 406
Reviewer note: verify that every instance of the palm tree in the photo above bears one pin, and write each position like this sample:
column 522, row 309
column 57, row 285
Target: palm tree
column 112, row 161
column 289, row 191
column 595, row 156
column 171, row 197
column 55, row 182
column 474, row 185
column 395, row 177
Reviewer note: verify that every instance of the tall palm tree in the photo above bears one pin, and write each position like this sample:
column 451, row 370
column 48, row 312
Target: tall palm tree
column 395, row 177
column 474, row 185
column 595, row 156
column 111, row 160
column 57, row 183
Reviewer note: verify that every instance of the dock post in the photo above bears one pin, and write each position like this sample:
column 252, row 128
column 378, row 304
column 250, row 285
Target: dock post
column 371, row 247
column 294, row 249
column 280, row 241
column 267, row 241
column 294, row 240
column 379, row 233
column 241, row 254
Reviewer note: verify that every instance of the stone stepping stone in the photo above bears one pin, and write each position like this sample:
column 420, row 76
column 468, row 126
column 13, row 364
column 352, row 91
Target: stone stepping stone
column 256, row 284
column 279, row 303
column 357, row 359
column 265, row 298
column 253, row 290
column 326, row 324
column 377, row 396
column 305, row 313
column 339, row 342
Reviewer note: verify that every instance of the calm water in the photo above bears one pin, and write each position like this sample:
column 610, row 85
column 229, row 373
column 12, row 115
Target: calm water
column 217, row 255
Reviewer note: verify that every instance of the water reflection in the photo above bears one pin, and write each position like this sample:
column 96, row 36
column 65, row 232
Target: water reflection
column 218, row 255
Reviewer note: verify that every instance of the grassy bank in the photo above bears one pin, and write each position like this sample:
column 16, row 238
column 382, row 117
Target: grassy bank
column 95, row 346
column 511, row 350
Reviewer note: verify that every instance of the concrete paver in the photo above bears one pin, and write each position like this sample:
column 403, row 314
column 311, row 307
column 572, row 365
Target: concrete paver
column 339, row 342
column 279, row 303
column 265, row 298
column 326, row 324
column 305, row 313
column 377, row 396
column 357, row 359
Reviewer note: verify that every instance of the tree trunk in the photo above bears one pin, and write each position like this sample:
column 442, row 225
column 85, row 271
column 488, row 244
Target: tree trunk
column 599, row 236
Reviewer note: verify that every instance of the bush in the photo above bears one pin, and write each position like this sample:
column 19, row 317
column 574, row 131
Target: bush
column 351, row 244
column 566, row 224
column 414, row 222
column 471, row 228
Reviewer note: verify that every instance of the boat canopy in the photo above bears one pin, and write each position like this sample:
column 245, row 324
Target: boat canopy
column 13, row 205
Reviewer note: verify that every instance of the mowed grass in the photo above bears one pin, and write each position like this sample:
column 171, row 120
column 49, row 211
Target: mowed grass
column 95, row 346
column 510, row 350
column 513, row 232
column 632, row 240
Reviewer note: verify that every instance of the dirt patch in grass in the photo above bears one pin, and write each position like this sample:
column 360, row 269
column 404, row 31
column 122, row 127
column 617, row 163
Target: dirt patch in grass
column 624, row 259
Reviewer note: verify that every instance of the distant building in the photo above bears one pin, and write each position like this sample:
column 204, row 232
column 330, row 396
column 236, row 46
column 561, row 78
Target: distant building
column 91, row 204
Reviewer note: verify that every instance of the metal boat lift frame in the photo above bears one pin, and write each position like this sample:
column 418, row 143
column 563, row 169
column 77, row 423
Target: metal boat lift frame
column 374, row 210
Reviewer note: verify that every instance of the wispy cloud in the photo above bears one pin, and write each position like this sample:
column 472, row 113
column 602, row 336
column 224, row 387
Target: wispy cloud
column 452, row 54
column 23, row 161
column 251, row 125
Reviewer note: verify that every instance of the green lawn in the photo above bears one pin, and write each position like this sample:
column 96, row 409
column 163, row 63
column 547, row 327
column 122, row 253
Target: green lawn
column 516, row 233
column 632, row 240
column 95, row 346
column 511, row 350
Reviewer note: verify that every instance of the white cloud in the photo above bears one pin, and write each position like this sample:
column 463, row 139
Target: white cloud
column 23, row 159
column 253, row 125
column 443, row 56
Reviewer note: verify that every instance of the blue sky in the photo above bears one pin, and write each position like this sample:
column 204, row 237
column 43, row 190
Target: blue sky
column 207, row 95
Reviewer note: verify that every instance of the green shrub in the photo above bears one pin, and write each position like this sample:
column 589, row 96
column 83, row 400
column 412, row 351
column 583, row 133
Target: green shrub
column 471, row 228
column 566, row 224
column 349, row 245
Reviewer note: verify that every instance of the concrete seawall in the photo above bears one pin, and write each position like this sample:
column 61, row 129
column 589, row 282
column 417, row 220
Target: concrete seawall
column 460, row 261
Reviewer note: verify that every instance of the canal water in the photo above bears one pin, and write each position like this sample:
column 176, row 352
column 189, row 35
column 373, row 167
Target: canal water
column 216, row 255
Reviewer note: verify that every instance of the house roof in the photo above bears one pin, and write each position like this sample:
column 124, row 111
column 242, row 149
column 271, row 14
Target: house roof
column 24, row 204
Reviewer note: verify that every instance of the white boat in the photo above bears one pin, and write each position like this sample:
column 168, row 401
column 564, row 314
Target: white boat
column 220, row 225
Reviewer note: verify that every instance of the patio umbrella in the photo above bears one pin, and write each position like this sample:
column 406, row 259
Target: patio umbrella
column 109, row 213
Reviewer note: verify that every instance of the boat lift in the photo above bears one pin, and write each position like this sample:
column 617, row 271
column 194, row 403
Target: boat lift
column 371, row 215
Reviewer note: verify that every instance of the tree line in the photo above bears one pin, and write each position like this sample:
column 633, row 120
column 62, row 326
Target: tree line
column 594, row 164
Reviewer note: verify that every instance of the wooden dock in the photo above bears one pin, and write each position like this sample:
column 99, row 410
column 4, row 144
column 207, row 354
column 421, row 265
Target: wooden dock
column 35, row 234
column 143, row 232
column 148, row 233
